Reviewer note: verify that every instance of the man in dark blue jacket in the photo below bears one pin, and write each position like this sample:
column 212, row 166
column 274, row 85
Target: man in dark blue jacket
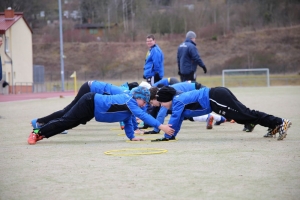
column 188, row 58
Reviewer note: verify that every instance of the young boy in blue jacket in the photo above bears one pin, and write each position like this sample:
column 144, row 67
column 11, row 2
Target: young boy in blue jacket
column 183, row 87
column 221, row 101
column 105, row 108
column 90, row 86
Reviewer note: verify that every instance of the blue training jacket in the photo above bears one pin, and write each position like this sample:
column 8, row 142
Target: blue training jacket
column 164, row 81
column 180, row 87
column 107, row 88
column 154, row 62
column 188, row 57
column 189, row 104
column 121, row 107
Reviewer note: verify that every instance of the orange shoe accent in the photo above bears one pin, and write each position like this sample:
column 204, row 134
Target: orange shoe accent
column 33, row 138
column 210, row 122
column 232, row 121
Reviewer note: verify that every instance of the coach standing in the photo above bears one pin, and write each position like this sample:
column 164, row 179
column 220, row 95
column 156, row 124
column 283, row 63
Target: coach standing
column 188, row 58
column 154, row 62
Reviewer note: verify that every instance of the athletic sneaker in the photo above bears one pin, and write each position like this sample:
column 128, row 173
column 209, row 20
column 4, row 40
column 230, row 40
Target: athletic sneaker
column 249, row 127
column 164, row 139
column 209, row 123
column 271, row 132
column 223, row 119
column 122, row 125
column 151, row 132
column 33, row 138
column 35, row 124
column 282, row 129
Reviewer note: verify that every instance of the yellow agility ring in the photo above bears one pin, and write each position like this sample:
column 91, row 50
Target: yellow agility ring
column 135, row 152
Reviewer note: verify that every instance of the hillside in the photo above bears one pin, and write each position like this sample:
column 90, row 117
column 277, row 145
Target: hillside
column 277, row 49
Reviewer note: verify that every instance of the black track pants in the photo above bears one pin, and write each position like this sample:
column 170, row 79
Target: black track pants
column 80, row 113
column 188, row 77
column 85, row 88
column 224, row 103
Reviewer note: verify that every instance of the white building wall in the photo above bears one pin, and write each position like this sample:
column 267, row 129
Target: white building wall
column 21, row 52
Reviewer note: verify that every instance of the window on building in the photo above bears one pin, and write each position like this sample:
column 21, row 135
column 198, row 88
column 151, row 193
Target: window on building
column 93, row 31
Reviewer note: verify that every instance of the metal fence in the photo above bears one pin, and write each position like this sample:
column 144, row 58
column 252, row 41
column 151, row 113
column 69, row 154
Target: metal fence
column 69, row 85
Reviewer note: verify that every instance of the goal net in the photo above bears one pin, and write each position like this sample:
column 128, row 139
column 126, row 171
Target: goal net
column 245, row 77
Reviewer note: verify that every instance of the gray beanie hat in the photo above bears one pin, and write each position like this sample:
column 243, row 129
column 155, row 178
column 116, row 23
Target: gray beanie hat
column 190, row 34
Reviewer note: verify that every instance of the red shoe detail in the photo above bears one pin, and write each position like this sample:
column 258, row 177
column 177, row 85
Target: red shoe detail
column 210, row 122
column 33, row 138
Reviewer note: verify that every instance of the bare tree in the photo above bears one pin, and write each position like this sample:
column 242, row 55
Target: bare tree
column 125, row 16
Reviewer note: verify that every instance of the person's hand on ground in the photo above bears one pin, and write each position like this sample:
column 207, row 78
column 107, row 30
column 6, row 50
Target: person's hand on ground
column 167, row 129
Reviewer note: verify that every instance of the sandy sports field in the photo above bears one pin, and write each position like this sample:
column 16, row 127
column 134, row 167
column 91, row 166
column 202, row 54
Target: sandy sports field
column 222, row 163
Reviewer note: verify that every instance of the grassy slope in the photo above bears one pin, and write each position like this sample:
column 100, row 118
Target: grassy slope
column 281, row 46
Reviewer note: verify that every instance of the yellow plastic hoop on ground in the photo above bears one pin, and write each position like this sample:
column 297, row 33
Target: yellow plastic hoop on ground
column 135, row 151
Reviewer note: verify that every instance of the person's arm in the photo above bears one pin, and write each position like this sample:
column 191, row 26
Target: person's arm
column 157, row 60
column 159, row 66
column 178, row 62
column 177, row 116
column 134, row 122
column 161, row 118
column 148, row 66
column 146, row 118
column 129, row 130
column 196, row 56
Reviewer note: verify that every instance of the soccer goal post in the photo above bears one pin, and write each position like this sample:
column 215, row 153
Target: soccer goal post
column 246, row 77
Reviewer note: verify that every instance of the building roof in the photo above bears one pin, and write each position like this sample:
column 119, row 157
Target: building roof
column 5, row 24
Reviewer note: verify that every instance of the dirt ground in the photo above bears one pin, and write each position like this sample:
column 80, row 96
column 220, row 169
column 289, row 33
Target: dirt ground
column 222, row 163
